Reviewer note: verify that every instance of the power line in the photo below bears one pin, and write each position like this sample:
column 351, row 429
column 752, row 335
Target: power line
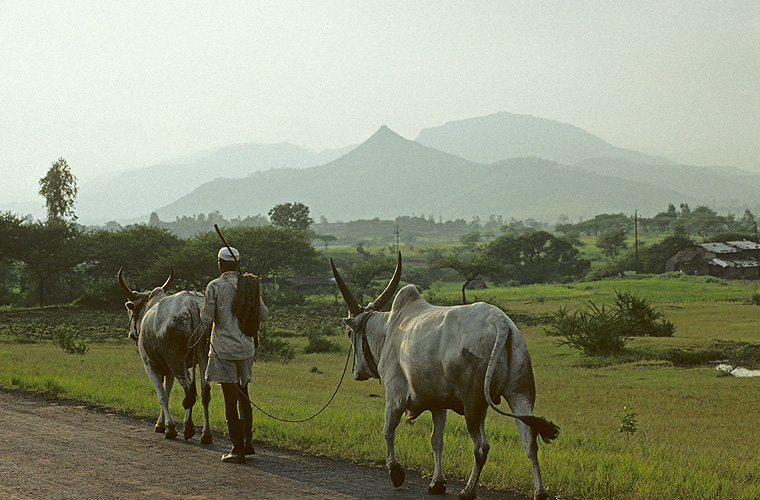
column 636, row 219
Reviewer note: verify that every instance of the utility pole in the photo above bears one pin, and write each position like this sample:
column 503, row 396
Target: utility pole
column 396, row 231
column 636, row 238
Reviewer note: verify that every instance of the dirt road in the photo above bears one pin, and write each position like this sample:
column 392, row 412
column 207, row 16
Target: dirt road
column 55, row 449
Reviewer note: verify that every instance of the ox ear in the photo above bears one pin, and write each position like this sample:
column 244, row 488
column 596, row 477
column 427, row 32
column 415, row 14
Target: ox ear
column 351, row 323
column 129, row 293
column 384, row 297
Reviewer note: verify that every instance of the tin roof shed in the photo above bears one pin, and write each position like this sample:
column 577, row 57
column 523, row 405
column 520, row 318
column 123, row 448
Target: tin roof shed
column 744, row 245
column 718, row 248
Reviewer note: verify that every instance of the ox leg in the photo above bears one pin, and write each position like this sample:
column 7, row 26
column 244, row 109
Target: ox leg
column 206, row 437
column 523, row 406
column 171, row 428
column 392, row 418
column 178, row 368
column 163, row 387
column 438, row 483
column 187, row 404
column 476, row 420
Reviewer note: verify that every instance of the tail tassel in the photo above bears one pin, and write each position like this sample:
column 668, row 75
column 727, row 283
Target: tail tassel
column 546, row 429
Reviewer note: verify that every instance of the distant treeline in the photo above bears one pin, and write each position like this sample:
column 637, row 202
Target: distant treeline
column 701, row 222
column 58, row 261
column 409, row 230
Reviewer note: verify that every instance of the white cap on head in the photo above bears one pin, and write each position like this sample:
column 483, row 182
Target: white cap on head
column 224, row 254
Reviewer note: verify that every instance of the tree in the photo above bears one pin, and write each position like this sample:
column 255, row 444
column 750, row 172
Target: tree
column 291, row 215
column 536, row 257
column 470, row 240
column 470, row 265
column 612, row 242
column 324, row 238
column 59, row 187
column 266, row 251
column 49, row 250
column 363, row 272
column 9, row 266
column 137, row 248
column 748, row 222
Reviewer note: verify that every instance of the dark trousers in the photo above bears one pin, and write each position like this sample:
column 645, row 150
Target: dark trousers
column 239, row 415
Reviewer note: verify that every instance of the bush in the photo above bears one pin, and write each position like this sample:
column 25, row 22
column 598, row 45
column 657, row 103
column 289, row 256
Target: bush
column 272, row 348
column 64, row 339
column 103, row 294
column 283, row 297
column 594, row 330
column 640, row 319
column 599, row 330
column 318, row 341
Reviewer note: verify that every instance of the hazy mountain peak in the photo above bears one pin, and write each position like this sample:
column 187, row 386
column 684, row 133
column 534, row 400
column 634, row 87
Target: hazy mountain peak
column 383, row 142
column 386, row 134
column 503, row 135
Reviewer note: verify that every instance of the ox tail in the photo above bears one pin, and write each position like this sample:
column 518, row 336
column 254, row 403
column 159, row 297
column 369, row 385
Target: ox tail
column 546, row 429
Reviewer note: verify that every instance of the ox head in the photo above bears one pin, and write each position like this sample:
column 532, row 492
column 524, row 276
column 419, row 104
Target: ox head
column 365, row 364
column 137, row 303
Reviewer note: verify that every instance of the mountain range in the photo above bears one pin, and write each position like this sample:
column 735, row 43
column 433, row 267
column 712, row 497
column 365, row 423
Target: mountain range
column 516, row 166
column 157, row 185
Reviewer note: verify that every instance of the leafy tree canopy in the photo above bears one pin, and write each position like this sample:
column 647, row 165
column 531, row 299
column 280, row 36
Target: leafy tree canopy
column 291, row 215
column 59, row 187
column 536, row 257
column 612, row 242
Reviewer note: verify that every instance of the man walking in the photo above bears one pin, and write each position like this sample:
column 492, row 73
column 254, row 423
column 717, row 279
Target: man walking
column 232, row 352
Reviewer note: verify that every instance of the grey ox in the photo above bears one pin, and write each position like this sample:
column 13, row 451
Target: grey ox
column 164, row 327
column 460, row 358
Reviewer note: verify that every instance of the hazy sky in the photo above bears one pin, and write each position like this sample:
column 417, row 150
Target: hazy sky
column 110, row 87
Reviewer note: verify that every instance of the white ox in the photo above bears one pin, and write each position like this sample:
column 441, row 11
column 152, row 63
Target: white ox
column 164, row 327
column 459, row 358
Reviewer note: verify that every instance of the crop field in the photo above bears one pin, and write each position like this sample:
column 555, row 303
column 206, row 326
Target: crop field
column 695, row 434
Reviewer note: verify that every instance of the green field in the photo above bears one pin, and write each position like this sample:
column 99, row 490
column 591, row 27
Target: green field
column 696, row 435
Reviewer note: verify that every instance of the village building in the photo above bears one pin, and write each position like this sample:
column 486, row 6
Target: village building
column 729, row 259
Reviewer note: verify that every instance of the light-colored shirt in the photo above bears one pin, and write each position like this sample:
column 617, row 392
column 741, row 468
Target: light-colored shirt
column 227, row 340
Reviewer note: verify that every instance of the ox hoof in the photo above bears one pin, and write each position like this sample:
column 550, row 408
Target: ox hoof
column 397, row 474
column 437, row 488
column 189, row 431
column 207, row 439
column 171, row 432
column 542, row 496
column 465, row 496
column 159, row 428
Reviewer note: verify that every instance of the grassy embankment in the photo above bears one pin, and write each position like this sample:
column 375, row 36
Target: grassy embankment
column 696, row 436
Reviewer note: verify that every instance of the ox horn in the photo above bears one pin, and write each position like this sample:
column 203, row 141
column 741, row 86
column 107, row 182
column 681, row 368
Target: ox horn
column 168, row 281
column 353, row 306
column 384, row 297
column 129, row 293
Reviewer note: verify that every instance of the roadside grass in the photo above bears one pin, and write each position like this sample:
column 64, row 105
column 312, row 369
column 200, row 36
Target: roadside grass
column 696, row 437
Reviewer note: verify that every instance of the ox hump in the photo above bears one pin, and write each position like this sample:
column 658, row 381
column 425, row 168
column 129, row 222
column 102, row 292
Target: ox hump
column 405, row 296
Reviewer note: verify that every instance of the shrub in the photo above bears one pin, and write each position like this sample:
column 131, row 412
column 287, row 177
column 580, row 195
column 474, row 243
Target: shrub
column 600, row 330
column 318, row 341
column 627, row 420
column 283, row 297
column 594, row 330
column 640, row 319
column 64, row 337
column 272, row 348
